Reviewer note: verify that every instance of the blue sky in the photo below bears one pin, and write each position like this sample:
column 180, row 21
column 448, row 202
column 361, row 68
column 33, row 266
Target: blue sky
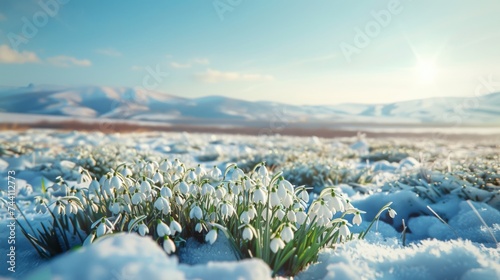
column 300, row 52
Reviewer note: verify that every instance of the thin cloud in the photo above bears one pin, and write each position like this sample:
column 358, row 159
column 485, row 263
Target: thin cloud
column 216, row 76
column 177, row 65
column 136, row 68
column 2, row 17
column 11, row 56
column 202, row 61
column 67, row 61
column 109, row 52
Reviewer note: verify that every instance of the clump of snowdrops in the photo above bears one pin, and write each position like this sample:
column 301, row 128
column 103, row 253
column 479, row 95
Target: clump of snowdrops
column 263, row 215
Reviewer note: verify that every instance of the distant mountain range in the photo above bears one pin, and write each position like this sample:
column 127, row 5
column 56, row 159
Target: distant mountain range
column 134, row 104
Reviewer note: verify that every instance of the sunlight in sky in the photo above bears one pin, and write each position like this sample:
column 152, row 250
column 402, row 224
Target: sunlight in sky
column 285, row 50
column 426, row 71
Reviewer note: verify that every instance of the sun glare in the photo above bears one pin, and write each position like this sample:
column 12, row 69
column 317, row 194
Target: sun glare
column 426, row 71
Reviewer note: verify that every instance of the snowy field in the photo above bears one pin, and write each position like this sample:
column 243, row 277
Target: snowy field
column 443, row 223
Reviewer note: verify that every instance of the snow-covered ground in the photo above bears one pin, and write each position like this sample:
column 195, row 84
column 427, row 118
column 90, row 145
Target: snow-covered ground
column 458, row 181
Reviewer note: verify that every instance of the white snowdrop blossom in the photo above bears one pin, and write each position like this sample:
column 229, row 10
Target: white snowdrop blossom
column 356, row 220
column 392, row 213
column 158, row 178
column 344, row 230
column 259, row 196
column 175, row 227
column 226, row 210
column 162, row 204
column 211, row 236
column 274, row 199
column 166, row 192
column 145, row 186
column 200, row 171
column 142, row 229
column 115, row 208
column 245, row 217
column 137, row 198
column 216, row 173
column 115, row 182
column 247, row 233
column 198, row 227
column 162, row 229
column 287, row 234
column 302, row 217
column 276, row 244
column 196, row 212
column 89, row 239
column 183, row 187
column 105, row 227
column 168, row 245
column 71, row 207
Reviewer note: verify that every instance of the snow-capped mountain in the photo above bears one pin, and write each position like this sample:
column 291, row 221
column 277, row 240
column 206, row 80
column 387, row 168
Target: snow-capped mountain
column 136, row 104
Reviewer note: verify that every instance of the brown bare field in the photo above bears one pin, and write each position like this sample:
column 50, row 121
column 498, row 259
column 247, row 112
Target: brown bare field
column 303, row 131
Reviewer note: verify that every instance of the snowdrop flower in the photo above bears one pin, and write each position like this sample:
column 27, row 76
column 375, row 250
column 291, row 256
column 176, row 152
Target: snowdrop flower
column 168, row 245
column 290, row 215
column 276, row 244
column 344, row 230
column 286, row 185
column 145, row 186
column 237, row 174
column 40, row 205
column 274, row 199
column 115, row 182
column 198, row 227
column 59, row 209
column 245, row 217
column 211, row 236
column 200, row 171
column 215, row 173
column 93, row 206
column 304, row 196
column 247, row 183
column 165, row 166
column 287, row 200
column 259, row 196
column 280, row 214
column 175, row 227
column 126, row 172
column 179, row 199
column 162, row 229
column 183, row 187
column 287, row 233
column 247, row 233
column 262, row 171
column 392, row 213
column 335, row 201
column 220, row 192
column 137, row 197
column 356, row 220
column 301, row 217
column 89, row 239
column 192, row 175
column 105, row 227
column 162, row 204
column 143, row 229
column 347, row 204
column 196, row 212
column 207, row 189
column 158, row 178
column 226, row 210
column 115, row 207
column 94, row 186
column 166, row 192
column 71, row 207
